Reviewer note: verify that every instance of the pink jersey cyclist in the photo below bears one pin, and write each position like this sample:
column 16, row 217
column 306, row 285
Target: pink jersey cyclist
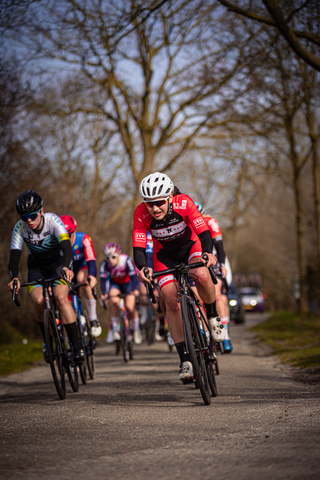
column 175, row 237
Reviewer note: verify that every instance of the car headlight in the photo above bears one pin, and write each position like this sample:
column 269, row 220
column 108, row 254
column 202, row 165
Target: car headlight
column 233, row 303
column 253, row 303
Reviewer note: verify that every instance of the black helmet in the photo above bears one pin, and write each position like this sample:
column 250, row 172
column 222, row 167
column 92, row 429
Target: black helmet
column 28, row 202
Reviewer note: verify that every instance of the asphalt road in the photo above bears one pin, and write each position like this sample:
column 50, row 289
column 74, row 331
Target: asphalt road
column 136, row 421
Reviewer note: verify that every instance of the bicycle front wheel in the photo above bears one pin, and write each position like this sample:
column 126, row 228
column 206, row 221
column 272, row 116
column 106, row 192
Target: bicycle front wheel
column 91, row 344
column 194, row 347
column 211, row 365
column 82, row 340
column 124, row 337
column 54, row 350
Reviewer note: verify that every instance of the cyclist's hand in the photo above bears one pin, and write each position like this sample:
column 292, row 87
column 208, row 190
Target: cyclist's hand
column 10, row 285
column 69, row 274
column 212, row 260
column 141, row 276
column 224, row 271
column 104, row 296
column 93, row 281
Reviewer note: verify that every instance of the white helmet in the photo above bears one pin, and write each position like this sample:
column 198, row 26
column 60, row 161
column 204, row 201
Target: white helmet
column 155, row 185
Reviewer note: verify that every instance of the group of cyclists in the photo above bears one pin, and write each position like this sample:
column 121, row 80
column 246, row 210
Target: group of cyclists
column 169, row 228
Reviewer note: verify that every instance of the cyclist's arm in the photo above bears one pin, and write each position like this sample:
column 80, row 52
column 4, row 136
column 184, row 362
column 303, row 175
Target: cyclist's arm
column 66, row 248
column 104, row 279
column 221, row 256
column 89, row 256
column 206, row 241
column 15, row 256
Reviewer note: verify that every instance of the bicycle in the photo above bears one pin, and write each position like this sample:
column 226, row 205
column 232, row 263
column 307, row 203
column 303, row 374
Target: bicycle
column 125, row 343
column 59, row 349
column 198, row 339
column 87, row 341
column 149, row 326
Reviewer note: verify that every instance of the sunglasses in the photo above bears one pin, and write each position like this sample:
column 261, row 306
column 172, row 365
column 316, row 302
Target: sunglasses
column 112, row 256
column 31, row 216
column 157, row 203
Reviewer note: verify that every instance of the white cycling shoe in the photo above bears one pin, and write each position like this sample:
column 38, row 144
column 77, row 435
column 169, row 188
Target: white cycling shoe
column 186, row 372
column 116, row 336
column 95, row 328
column 137, row 337
column 217, row 329
column 110, row 337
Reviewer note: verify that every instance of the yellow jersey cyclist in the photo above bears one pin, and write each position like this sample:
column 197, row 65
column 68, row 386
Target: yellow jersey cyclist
column 179, row 235
column 50, row 252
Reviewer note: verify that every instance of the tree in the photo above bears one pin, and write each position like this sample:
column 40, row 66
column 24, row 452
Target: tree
column 285, row 17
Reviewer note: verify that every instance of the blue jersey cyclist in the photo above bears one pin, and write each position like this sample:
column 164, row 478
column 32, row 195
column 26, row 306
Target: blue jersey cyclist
column 85, row 268
column 118, row 274
column 50, row 252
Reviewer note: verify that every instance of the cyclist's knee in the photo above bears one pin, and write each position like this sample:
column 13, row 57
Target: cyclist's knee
column 202, row 277
column 62, row 300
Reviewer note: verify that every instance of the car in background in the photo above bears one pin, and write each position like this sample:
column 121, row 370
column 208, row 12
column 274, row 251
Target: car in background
column 252, row 299
column 235, row 304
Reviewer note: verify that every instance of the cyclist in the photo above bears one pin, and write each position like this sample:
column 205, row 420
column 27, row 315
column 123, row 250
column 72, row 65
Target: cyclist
column 84, row 268
column 179, row 235
column 118, row 275
column 221, row 298
column 143, row 301
column 50, row 252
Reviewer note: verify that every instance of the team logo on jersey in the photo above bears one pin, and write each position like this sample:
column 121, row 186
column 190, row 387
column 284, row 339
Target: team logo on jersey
column 183, row 205
column 140, row 237
column 198, row 222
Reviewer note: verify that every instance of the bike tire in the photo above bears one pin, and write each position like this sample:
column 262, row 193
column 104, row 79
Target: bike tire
column 70, row 367
column 53, row 345
column 150, row 326
column 82, row 340
column 73, row 376
column 211, row 366
column 195, row 350
column 90, row 346
column 124, row 338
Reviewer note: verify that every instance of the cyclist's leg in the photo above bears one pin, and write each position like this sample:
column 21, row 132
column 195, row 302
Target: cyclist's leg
column 223, row 311
column 132, row 312
column 90, row 301
column 60, row 292
column 113, row 303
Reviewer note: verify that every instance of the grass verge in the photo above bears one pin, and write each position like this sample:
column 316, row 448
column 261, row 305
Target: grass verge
column 17, row 357
column 294, row 338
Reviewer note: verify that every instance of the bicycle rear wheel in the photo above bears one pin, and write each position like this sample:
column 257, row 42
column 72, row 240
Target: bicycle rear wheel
column 90, row 346
column 54, row 350
column 70, row 367
column 124, row 337
column 194, row 347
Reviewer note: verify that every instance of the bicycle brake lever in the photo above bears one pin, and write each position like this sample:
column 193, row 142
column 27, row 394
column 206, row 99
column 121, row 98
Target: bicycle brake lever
column 15, row 295
column 148, row 286
column 70, row 285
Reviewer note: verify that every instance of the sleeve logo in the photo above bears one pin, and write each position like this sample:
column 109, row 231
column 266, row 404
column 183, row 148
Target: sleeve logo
column 198, row 222
column 140, row 237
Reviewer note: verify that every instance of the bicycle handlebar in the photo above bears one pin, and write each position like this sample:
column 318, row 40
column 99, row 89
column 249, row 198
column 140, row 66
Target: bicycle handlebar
column 14, row 294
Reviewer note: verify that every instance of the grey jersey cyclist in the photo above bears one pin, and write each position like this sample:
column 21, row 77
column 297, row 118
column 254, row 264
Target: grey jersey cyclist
column 50, row 252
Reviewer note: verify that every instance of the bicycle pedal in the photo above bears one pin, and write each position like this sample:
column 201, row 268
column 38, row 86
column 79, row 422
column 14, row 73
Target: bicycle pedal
column 188, row 380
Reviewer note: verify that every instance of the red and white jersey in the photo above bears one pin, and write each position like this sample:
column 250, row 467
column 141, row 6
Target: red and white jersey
column 213, row 227
column 181, row 225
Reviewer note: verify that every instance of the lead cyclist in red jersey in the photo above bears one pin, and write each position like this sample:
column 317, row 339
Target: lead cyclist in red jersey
column 179, row 235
